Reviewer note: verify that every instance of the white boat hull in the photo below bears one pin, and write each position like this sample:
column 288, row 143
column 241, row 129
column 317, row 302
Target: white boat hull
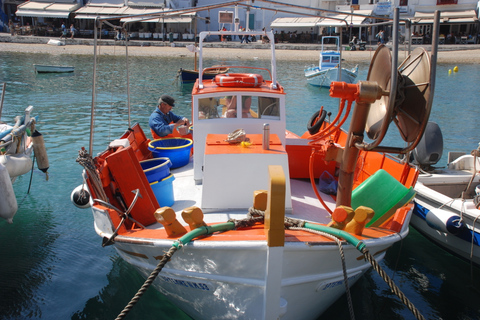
column 9, row 201
column 430, row 218
column 323, row 77
column 18, row 164
column 211, row 280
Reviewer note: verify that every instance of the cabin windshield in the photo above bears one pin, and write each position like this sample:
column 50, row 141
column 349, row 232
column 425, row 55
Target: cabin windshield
column 250, row 106
column 331, row 59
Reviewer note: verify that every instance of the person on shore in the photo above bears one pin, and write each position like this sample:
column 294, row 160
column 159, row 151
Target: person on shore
column 72, row 31
column 162, row 121
column 64, row 31
column 381, row 38
column 245, row 38
column 11, row 27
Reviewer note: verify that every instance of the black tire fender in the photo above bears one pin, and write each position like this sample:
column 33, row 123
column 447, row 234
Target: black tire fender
column 313, row 126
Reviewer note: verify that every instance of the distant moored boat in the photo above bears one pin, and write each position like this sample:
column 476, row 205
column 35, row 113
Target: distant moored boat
column 55, row 69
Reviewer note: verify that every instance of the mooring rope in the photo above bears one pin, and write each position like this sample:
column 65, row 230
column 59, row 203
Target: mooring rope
column 166, row 257
column 391, row 284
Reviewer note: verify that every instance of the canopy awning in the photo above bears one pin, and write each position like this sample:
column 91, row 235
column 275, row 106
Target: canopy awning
column 468, row 16
column 46, row 9
column 295, row 22
column 93, row 11
column 177, row 19
column 345, row 19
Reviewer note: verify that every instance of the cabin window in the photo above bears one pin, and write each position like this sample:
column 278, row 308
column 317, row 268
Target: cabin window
column 207, row 108
column 249, row 107
column 335, row 59
column 227, row 107
column 230, row 109
column 326, row 59
column 268, row 108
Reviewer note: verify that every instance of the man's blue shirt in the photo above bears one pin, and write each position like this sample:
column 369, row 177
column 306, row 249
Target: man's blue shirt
column 161, row 123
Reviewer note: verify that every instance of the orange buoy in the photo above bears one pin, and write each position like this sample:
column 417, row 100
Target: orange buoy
column 238, row 80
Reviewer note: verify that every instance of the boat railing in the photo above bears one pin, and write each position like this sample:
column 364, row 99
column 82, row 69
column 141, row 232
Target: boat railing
column 336, row 44
column 204, row 34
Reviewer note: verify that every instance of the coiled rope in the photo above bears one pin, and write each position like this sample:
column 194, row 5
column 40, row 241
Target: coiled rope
column 86, row 161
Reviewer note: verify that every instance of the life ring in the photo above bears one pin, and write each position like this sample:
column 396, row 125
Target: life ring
column 314, row 125
column 238, row 80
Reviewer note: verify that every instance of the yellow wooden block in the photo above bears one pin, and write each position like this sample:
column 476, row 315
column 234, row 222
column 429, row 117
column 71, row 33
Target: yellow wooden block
column 362, row 216
column 167, row 217
column 260, row 198
column 194, row 217
column 341, row 216
column 275, row 212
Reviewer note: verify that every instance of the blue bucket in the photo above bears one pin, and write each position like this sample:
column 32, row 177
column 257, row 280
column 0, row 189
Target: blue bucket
column 156, row 169
column 176, row 149
column 163, row 191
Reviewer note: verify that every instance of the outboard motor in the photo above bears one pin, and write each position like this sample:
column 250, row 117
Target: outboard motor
column 430, row 148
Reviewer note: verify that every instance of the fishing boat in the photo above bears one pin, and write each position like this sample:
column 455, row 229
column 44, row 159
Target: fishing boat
column 329, row 66
column 269, row 224
column 39, row 68
column 448, row 197
column 17, row 142
column 190, row 76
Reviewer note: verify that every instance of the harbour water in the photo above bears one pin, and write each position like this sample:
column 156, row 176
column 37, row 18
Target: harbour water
column 52, row 265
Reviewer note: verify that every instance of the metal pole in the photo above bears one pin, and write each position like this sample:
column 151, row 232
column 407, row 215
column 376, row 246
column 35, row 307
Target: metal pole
column 4, row 85
column 94, row 85
column 128, row 79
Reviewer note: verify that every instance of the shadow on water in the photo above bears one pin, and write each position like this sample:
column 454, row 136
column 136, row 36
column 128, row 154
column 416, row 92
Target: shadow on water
column 26, row 257
column 438, row 284
column 123, row 283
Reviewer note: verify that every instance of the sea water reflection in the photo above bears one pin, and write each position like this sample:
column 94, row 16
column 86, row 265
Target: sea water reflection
column 53, row 265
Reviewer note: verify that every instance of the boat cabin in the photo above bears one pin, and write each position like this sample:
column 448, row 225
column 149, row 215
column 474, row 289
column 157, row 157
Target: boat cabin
column 330, row 58
column 222, row 106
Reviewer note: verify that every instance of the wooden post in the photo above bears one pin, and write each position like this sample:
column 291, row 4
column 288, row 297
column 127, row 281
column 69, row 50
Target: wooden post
column 275, row 230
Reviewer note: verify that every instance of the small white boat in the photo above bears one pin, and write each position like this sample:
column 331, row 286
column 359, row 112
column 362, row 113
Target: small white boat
column 16, row 145
column 328, row 68
column 39, row 68
column 448, row 198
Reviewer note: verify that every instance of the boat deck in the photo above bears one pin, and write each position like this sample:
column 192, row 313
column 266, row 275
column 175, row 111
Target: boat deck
column 187, row 193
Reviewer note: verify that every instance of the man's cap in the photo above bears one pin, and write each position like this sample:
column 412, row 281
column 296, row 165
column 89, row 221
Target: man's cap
column 167, row 99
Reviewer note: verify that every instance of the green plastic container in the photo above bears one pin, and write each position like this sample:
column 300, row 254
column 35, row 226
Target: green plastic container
column 383, row 193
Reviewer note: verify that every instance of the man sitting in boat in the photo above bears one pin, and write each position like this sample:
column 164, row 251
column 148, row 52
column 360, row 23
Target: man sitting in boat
column 247, row 112
column 162, row 121
column 231, row 110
